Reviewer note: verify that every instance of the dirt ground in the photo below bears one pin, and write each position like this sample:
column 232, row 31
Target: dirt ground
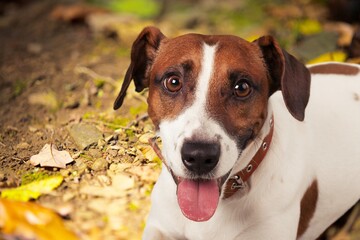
column 49, row 80
column 58, row 74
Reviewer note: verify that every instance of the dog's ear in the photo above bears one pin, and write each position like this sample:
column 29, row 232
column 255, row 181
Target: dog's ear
column 288, row 75
column 143, row 52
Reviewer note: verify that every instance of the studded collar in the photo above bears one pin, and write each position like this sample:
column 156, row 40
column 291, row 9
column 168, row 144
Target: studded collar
column 238, row 181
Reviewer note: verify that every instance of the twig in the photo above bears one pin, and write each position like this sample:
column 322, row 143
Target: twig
column 105, row 123
column 94, row 75
column 138, row 119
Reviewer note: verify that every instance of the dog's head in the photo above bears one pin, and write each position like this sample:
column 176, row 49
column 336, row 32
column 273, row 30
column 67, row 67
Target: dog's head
column 208, row 99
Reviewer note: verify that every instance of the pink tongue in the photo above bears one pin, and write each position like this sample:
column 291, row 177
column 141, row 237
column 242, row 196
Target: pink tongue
column 198, row 199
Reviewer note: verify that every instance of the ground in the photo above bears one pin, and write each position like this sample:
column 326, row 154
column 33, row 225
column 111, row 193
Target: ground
column 59, row 74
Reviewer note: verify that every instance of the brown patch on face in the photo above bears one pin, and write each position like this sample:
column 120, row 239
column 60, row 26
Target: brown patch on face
column 237, row 60
column 182, row 57
column 307, row 207
column 334, row 68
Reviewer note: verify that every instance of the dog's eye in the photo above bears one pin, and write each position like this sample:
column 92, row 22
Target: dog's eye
column 242, row 89
column 173, row 83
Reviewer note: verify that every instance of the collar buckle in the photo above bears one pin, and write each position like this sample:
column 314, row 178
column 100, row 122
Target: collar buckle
column 238, row 183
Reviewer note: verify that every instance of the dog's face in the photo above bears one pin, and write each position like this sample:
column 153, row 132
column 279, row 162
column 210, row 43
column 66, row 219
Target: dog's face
column 208, row 99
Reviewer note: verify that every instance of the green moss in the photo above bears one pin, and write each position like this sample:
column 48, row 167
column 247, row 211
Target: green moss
column 136, row 110
column 142, row 8
column 19, row 87
column 99, row 82
column 34, row 175
column 88, row 115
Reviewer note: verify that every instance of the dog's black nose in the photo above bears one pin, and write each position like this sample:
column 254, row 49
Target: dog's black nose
column 200, row 157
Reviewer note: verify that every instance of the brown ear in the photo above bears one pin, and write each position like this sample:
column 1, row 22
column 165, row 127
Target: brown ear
column 143, row 52
column 288, row 75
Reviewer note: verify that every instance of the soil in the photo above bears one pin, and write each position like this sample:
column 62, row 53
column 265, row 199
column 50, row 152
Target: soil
column 49, row 80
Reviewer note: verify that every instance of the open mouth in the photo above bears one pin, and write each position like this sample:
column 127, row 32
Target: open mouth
column 198, row 198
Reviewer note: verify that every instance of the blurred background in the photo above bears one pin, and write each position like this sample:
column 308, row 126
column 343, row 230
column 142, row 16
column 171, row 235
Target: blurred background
column 61, row 66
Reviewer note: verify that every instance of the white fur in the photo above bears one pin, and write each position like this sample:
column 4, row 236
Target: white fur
column 324, row 147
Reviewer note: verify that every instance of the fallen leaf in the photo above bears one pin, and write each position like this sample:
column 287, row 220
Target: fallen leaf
column 122, row 182
column 308, row 26
column 50, row 157
column 149, row 153
column 106, row 192
column 147, row 173
column 32, row 190
column 47, row 99
column 24, row 220
column 75, row 12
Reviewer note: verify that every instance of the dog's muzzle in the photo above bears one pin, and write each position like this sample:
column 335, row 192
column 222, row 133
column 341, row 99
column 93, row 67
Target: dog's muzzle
column 200, row 157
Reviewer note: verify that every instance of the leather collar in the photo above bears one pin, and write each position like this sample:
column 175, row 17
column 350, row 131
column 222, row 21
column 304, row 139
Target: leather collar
column 239, row 180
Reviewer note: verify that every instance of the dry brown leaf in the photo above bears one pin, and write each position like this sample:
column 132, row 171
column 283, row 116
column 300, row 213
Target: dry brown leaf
column 75, row 12
column 49, row 156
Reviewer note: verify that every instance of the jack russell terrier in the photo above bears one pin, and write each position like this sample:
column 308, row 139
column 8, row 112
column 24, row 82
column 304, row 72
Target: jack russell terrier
column 243, row 159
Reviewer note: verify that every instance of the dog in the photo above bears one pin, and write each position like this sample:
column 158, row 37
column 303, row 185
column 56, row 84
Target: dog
column 248, row 152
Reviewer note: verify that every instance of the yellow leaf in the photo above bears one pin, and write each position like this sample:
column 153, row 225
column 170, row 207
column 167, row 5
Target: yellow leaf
column 337, row 56
column 149, row 153
column 31, row 221
column 308, row 26
column 32, row 190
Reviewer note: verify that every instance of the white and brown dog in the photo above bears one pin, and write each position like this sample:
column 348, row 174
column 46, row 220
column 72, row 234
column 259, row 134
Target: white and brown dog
column 243, row 160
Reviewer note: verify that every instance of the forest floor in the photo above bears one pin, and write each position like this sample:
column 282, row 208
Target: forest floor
column 60, row 71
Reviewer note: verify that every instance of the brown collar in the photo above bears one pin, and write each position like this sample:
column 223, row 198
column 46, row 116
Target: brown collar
column 238, row 180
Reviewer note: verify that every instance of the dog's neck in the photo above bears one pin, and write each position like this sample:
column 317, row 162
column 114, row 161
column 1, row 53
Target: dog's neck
column 238, row 180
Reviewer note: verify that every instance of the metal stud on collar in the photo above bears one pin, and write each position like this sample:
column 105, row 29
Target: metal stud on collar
column 239, row 183
column 271, row 122
column 264, row 145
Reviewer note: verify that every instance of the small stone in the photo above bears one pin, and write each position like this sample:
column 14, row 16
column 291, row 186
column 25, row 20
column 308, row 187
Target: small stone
column 148, row 128
column 109, row 138
column 71, row 104
column 113, row 152
column 65, row 172
column 96, row 153
column 34, row 48
column 113, row 167
column 67, row 196
column 99, row 164
column 85, row 135
column 33, row 129
column 145, row 137
column 104, row 179
column 2, row 176
column 80, row 165
column 101, row 143
column 115, row 147
column 121, row 151
column 22, row 146
column 77, row 155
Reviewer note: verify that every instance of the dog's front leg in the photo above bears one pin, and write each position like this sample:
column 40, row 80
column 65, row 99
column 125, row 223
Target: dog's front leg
column 281, row 226
column 152, row 233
